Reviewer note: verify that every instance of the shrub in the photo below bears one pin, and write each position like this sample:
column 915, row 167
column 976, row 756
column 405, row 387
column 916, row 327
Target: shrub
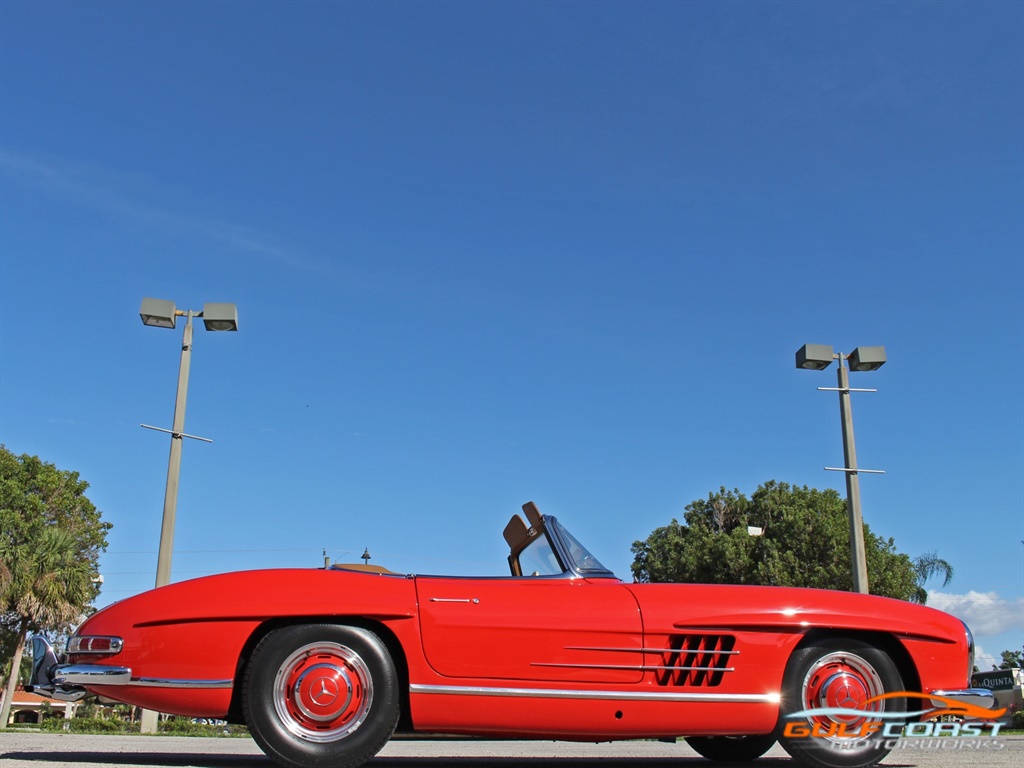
column 185, row 726
column 87, row 725
column 98, row 725
column 174, row 726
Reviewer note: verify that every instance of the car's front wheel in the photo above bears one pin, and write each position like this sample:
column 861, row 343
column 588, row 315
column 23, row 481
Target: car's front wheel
column 321, row 694
column 846, row 679
column 731, row 749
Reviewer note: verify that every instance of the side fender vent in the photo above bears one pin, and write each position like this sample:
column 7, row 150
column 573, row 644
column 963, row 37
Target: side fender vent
column 697, row 660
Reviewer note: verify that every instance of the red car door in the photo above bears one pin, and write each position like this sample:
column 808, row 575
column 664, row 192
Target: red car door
column 554, row 629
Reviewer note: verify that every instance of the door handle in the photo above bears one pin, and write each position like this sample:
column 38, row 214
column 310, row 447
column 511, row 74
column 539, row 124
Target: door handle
column 473, row 600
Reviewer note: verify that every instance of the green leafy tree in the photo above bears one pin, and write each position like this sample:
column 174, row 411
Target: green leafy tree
column 1011, row 660
column 804, row 542
column 51, row 537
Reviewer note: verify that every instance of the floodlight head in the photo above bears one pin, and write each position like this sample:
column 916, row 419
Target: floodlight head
column 220, row 317
column 867, row 358
column 814, row 357
column 159, row 313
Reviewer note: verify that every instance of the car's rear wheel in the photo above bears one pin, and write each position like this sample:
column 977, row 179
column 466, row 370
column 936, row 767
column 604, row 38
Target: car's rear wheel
column 833, row 675
column 321, row 694
column 731, row 749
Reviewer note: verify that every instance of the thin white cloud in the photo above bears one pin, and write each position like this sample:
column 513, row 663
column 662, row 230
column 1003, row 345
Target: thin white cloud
column 101, row 190
column 984, row 660
column 986, row 613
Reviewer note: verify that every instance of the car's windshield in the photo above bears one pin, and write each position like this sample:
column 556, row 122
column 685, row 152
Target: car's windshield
column 582, row 560
column 539, row 559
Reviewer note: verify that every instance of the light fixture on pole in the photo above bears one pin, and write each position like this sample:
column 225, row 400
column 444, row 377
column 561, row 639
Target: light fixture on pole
column 161, row 313
column 818, row 357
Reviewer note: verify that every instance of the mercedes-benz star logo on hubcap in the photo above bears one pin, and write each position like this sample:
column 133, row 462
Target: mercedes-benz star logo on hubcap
column 846, row 696
column 324, row 691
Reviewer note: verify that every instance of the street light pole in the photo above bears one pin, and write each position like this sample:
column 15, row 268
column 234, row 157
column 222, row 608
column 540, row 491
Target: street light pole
column 163, row 314
column 163, row 562
column 857, row 550
column 818, row 357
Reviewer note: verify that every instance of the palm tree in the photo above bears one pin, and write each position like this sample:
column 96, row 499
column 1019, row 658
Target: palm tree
column 926, row 567
column 44, row 584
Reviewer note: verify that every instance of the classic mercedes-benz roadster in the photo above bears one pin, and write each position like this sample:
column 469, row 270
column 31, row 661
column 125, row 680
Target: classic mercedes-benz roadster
column 324, row 665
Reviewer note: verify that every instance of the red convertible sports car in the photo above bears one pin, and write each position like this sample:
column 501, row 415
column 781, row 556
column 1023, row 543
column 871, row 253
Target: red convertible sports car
column 324, row 665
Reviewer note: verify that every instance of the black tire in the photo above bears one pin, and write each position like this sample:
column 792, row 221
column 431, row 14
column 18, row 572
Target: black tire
column 731, row 749
column 321, row 695
column 838, row 672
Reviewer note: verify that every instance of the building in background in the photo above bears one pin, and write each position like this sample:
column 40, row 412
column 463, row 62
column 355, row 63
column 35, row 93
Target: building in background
column 1005, row 684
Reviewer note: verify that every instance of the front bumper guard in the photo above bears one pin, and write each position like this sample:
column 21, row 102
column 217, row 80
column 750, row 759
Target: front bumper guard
column 66, row 682
column 975, row 697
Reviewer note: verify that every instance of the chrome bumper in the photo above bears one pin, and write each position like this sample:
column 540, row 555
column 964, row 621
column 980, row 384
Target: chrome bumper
column 67, row 682
column 977, row 697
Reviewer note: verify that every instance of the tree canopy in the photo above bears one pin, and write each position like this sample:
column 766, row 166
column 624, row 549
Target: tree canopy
column 1010, row 660
column 51, row 537
column 804, row 542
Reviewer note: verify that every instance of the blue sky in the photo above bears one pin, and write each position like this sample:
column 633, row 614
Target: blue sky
column 490, row 252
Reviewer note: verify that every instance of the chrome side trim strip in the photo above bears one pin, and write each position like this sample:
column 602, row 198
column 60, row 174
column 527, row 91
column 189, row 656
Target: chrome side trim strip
column 155, row 682
column 552, row 693
column 653, row 650
column 634, row 667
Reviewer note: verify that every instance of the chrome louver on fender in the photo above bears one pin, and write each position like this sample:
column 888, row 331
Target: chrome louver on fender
column 698, row 661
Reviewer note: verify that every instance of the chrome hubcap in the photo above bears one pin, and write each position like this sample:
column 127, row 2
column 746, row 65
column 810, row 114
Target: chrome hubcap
column 842, row 681
column 323, row 692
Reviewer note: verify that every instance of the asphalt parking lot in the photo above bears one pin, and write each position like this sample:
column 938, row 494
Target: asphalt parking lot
column 37, row 750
